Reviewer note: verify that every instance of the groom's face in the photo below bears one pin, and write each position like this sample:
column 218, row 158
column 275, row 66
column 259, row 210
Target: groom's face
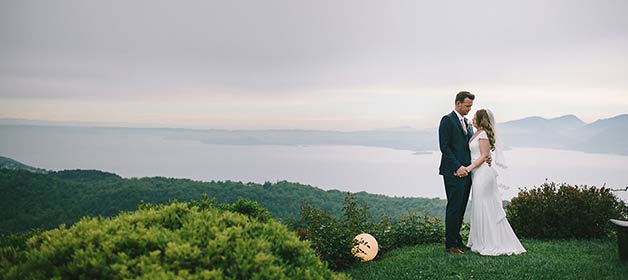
column 464, row 107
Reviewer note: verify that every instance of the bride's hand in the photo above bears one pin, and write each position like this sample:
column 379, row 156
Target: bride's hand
column 467, row 169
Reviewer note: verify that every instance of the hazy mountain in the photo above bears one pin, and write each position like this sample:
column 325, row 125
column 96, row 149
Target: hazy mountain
column 7, row 163
column 620, row 121
column 540, row 132
column 399, row 128
column 570, row 133
column 602, row 136
column 400, row 139
column 566, row 132
column 532, row 124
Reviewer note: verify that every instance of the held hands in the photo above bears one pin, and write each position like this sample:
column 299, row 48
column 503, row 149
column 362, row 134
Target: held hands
column 462, row 172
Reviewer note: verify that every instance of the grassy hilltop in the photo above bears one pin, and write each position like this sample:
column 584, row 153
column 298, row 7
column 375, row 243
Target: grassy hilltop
column 545, row 259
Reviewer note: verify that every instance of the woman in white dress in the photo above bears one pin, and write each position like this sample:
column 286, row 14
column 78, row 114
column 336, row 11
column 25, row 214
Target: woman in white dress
column 490, row 232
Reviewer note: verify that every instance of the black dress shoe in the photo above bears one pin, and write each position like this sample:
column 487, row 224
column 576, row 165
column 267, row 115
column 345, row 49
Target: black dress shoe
column 464, row 248
column 454, row 251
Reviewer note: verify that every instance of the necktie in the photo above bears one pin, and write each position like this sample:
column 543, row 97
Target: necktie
column 464, row 125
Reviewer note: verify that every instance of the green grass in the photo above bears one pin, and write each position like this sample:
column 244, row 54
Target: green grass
column 571, row 259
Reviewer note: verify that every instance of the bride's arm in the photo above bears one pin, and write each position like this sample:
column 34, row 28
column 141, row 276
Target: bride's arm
column 485, row 152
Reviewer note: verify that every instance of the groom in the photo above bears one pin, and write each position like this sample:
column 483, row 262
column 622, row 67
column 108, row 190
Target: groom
column 454, row 133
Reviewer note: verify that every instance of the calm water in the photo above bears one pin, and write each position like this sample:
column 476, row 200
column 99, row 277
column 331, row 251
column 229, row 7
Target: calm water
column 347, row 168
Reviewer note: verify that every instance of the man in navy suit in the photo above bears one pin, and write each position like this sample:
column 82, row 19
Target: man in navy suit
column 454, row 133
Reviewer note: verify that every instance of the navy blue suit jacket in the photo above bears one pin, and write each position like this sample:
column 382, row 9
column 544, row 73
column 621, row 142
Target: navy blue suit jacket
column 454, row 144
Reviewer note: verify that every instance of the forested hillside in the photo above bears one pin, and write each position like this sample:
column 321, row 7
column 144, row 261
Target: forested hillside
column 7, row 163
column 37, row 200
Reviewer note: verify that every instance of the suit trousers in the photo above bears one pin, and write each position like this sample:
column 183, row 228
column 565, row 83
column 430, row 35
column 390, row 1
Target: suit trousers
column 457, row 190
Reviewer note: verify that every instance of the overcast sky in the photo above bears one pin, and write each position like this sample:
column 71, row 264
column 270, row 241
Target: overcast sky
column 342, row 65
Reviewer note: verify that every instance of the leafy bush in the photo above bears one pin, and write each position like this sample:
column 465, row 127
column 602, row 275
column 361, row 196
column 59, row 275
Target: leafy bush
column 249, row 208
column 177, row 240
column 18, row 240
column 412, row 229
column 332, row 238
column 329, row 237
column 564, row 211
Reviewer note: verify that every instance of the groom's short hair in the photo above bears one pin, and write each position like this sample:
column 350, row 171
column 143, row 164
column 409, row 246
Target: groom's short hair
column 464, row 94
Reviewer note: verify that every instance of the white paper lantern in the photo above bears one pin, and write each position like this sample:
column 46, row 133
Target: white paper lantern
column 367, row 248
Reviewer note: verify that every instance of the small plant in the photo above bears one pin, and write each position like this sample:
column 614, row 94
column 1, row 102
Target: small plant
column 329, row 237
column 564, row 211
column 412, row 229
column 332, row 238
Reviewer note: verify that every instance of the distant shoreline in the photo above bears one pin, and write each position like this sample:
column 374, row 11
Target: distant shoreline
column 602, row 137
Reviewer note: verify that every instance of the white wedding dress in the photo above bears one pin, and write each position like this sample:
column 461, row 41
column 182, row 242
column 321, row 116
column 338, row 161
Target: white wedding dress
column 490, row 232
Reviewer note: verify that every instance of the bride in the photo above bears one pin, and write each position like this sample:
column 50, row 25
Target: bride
column 490, row 232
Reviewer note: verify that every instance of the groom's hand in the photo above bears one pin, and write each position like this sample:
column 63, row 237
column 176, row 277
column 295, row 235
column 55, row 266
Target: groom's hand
column 461, row 172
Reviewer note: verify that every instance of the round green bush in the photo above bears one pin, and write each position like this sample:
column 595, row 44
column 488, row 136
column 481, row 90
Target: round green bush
column 564, row 211
column 176, row 240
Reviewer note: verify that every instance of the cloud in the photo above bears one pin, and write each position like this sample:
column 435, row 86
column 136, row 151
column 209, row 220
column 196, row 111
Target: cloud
column 254, row 52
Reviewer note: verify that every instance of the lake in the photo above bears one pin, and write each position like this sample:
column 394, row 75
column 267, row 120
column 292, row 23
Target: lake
column 132, row 153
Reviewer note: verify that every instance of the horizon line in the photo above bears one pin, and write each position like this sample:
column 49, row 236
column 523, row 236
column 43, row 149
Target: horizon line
column 139, row 125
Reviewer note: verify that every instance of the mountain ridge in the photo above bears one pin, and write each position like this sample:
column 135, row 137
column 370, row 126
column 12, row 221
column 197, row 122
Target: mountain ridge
column 566, row 132
column 39, row 122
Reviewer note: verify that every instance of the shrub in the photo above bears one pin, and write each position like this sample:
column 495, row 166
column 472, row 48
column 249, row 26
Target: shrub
column 412, row 229
column 18, row 240
column 329, row 237
column 249, row 208
column 332, row 238
column 564, row 211
column 178, row 240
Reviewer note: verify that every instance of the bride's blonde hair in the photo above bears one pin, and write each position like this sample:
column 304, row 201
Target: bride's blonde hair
column 482, row 120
